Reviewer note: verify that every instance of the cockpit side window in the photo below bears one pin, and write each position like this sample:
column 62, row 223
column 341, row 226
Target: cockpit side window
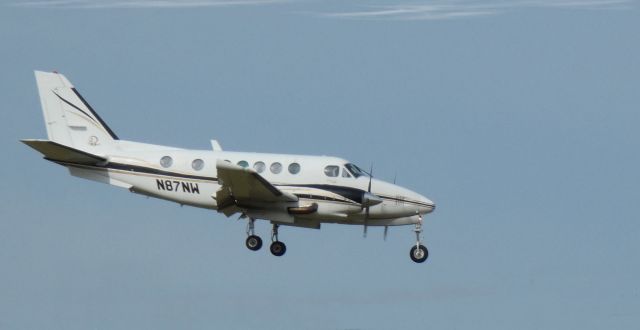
column 355, row 170
column 345, row 173
column 332, row 171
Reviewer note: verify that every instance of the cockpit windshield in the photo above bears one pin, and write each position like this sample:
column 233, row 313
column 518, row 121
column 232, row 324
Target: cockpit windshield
column 355, row 170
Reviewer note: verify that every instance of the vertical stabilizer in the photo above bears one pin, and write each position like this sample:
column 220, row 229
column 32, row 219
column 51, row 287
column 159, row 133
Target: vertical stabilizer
column 69, row 119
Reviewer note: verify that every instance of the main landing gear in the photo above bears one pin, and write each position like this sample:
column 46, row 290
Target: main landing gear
column 254, row 242
column 419, row 252
column 277, row 248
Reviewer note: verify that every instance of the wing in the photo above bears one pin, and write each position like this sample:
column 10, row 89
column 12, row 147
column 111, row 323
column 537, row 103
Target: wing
column 244, row 187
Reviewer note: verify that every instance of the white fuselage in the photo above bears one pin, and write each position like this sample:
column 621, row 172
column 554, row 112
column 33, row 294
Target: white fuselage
column 190, row 178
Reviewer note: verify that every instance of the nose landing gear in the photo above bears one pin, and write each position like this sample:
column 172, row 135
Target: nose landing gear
column 419, row 252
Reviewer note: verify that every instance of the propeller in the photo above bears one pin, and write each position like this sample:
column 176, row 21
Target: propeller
column 368, row 200
column 386, row 231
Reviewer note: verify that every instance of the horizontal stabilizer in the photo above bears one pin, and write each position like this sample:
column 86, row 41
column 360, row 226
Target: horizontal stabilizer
column 58, row 152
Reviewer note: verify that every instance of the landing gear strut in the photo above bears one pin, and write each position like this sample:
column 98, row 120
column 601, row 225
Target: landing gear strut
column 419, row 252
column 254, row 242
column 277, row 248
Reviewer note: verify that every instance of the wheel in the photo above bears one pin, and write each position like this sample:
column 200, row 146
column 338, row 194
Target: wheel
column 419, row 254
column 254, row 243
column 278, row 248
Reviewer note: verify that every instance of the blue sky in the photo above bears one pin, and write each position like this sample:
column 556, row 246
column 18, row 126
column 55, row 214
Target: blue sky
column 518, row 118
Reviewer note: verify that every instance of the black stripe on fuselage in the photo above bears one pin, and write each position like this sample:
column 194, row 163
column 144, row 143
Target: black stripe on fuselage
column 138, row 169
column 149, row 170
column 350, row 193
column 323, row 198
column 355, row 194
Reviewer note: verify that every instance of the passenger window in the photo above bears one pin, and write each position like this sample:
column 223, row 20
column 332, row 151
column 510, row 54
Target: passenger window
column 276, row 168
column 197, row 164
column 294, row 168
column 332, row 171
column 166, row 161
column 243, row 163
column 259, row 167
column 345, row 173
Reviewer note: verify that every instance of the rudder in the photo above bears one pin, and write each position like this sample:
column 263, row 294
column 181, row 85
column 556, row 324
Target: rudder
column 69, row 119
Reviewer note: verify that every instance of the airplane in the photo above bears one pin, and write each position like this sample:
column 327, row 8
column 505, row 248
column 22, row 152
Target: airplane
column 287, row 190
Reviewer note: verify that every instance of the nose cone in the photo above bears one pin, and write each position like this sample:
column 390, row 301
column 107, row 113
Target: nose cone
column 417, row 202
column 427, row 205
column 403, row 197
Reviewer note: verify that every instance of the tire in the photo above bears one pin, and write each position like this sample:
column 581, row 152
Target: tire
column 254, row 243
column 419, row 254
column 278, row 248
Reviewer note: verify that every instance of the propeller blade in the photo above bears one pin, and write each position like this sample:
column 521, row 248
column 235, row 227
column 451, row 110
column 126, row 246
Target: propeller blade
column 366, row 224
column 370, row 177
column 386, row 231
column 366, row 214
